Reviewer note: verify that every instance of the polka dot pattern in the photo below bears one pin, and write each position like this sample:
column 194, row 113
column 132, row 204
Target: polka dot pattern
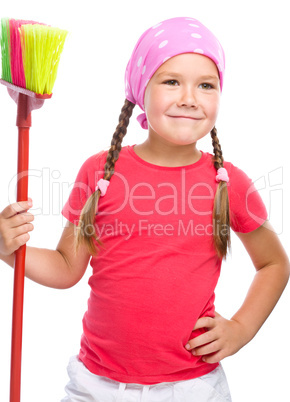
column 196, row 35
column 159, row 33
column 156, row 26
column 161, row 42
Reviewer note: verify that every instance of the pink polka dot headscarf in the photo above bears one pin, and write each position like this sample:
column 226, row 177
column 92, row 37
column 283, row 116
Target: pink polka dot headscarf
column 161, row 42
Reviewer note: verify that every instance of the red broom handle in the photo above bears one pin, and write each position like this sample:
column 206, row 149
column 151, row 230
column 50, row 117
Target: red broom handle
column 23, row 123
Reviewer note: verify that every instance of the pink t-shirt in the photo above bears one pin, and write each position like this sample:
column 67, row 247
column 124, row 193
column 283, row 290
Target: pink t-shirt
column 158, row 270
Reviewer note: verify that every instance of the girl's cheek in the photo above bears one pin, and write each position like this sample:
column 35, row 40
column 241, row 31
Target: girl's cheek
column 213, row 106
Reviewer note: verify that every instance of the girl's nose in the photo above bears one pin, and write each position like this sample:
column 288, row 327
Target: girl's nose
column 188, row 98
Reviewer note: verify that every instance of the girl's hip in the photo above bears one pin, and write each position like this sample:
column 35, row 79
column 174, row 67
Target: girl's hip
column 88, row 387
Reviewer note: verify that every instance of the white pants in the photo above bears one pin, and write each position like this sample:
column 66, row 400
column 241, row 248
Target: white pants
column 87, row 387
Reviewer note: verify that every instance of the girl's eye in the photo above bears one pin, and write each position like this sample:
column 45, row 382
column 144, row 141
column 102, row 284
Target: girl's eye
column 206, row 86
column 171, row 82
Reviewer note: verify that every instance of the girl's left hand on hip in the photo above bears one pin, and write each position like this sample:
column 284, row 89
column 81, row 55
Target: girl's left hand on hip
column 223, row 338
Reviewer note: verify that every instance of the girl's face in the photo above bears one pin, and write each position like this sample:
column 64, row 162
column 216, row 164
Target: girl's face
column 182, row 99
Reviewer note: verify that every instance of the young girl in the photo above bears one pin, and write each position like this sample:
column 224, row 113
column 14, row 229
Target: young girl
column 154, row 221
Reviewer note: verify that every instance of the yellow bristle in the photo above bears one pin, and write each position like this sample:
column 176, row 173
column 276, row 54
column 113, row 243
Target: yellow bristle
column 41, row 49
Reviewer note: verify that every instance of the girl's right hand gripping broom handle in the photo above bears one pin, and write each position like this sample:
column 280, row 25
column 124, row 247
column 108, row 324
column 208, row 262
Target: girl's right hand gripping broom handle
column 30, row 42
column 24, row 123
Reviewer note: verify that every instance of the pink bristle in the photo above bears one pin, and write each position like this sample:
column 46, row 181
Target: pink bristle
column 17, row 70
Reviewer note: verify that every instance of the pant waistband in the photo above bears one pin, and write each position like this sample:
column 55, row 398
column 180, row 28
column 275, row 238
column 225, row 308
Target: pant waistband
column 144, row 395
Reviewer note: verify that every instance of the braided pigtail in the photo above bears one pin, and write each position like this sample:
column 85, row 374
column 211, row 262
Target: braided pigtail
column 221, row 211
column 86, row 229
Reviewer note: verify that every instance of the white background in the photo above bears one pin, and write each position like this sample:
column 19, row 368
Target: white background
column 79, row 120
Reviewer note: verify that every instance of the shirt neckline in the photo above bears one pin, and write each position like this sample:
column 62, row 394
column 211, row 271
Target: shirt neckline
column 169, row 168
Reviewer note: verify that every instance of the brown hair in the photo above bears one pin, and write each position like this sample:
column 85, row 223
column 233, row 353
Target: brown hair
column 221, row 220
column 86, row 232
column 221, row 209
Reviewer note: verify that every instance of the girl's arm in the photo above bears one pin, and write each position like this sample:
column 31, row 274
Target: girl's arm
column 226, row 337
column 272, row 274
column 60, row 268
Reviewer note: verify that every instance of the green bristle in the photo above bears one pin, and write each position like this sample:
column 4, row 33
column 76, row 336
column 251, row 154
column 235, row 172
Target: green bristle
column 42, row 46
column 5, row 53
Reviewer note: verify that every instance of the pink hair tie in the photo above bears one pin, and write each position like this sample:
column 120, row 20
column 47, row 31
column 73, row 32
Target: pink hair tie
column 102, row 185
column 222, row 175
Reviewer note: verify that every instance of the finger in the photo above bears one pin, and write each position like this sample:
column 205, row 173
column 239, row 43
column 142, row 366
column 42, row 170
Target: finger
column 210, row 348
column 17, row 207
column 14, row 244
column 20, row 219
column 21, row 240
column 203, row 339
column 214, row 358
column 204, row 322
column 21, row 230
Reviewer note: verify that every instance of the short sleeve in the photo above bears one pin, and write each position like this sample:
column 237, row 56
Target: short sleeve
column 247, row 209
column 89, row 174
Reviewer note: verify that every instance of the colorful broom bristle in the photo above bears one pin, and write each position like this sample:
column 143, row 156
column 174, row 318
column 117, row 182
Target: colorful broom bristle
column 5, row 50
column 16, row 62
column 30, row 54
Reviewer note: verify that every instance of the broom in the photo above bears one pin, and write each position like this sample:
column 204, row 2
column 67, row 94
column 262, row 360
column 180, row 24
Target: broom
column 30, row 56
